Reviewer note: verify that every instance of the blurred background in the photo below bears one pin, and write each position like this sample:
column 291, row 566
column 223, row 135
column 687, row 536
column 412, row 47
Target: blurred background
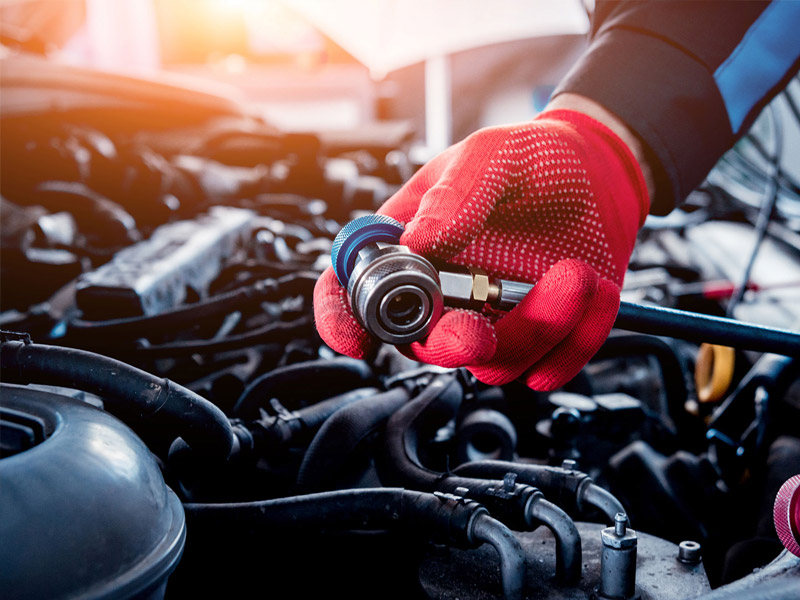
column 143, row 112
column 306, row 64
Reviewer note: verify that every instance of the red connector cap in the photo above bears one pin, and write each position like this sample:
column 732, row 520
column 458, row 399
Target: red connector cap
column 786, row 513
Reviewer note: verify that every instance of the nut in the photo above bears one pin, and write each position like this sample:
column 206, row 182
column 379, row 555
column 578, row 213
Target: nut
column 480, row 285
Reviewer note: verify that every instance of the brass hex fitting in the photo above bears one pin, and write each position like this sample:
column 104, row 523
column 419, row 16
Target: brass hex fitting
column 467, row 287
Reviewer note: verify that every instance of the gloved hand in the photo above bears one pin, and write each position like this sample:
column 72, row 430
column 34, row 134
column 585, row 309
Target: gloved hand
column 557, row 202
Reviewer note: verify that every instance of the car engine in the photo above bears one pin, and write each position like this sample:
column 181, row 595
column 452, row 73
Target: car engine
column 172, row 426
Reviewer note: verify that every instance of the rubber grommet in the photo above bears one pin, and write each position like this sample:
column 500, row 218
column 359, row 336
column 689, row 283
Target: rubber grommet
column 713, row 372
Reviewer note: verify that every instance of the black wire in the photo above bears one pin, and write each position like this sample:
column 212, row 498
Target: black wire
column 792, row 104
column 746, row 172
column 787, row 182
column 767, row 208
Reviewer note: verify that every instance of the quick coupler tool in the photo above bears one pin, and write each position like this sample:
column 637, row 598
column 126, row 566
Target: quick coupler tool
column 398, row 296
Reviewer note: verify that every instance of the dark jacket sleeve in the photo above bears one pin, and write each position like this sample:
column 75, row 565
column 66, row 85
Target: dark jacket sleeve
column 687, row 77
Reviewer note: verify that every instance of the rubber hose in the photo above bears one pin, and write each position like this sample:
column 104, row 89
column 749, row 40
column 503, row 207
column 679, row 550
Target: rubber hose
column 564, row 485
column 490, row 426
column 301, row 425
column 315, row 416
column 462, row 524
column 341, row 434
column 699, row 328
column 512, row 557
column 568, row 540
column 272, row 333
column 133, row 395
column 268, row 290
column 323, row 378
column 400, row 465
column 371, row 508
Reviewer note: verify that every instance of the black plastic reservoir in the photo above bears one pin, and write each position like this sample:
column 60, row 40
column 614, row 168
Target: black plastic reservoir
column 84, row 510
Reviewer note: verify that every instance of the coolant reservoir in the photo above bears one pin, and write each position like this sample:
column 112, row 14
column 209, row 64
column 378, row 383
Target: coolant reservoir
column 84, row 510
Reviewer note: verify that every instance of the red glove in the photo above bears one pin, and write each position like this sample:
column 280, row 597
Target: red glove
column 557, row 201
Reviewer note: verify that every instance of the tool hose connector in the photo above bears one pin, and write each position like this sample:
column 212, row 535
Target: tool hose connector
column 395, row 294
column 358, row 233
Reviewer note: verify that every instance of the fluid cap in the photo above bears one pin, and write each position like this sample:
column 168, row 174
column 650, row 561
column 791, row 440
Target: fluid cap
column 786, row 513
column 357, row 234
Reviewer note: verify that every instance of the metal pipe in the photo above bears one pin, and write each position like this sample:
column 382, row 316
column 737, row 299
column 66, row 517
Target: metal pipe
column 603, row 500
column 512, row 557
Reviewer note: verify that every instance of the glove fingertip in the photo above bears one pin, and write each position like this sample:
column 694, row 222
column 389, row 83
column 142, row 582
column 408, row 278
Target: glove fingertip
column 460, row 338
column 344, row 337
column 491, row 376
column 334, row 320
column 547, row 382
column 570, row 276
column 567, row 359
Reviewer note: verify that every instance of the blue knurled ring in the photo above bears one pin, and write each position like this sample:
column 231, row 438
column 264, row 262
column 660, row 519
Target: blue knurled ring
column 357, row 234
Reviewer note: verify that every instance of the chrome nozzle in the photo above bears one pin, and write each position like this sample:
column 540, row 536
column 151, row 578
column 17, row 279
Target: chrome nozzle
column 394, row 293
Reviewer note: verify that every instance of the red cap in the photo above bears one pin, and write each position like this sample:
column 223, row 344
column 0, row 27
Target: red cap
column 786, row 513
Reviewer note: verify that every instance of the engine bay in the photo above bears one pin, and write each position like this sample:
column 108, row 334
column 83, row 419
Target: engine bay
column 158, row 266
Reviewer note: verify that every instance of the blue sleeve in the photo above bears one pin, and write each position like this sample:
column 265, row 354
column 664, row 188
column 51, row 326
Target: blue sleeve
column 687, row 77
